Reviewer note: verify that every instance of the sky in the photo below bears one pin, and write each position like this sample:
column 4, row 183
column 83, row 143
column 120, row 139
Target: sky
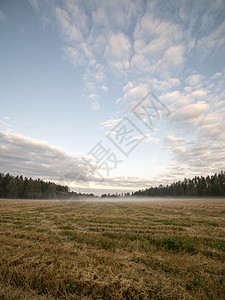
column 112, row 96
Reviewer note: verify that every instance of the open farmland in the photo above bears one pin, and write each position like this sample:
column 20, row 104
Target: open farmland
column 112, row 250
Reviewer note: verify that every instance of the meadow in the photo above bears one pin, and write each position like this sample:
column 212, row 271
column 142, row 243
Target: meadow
column 112, row 250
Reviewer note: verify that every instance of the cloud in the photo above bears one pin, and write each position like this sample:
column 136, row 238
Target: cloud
column 94, row 78
column 104, row 88
column 20, row 155
column 214, row 40
column 74, row 56
column 177, row 99
column 172, row 58
column 109, row 123
column 142, row 46
column 197, row 145
column 126, row 181
column 134, row 93
column 217, row 75
column 199, row 93
column 29, row 157
column 147, row 138
column 195, row 156
column 116, row 14
column 195, row 79
column 4, row 123
column 68, row 27
column 95, row 105
column 149, row 28
column 92, row 96
column 164, row 85
column 34, row 4
column 45, row 21
column 118, row 50
column 190, row 112
column 134, row 36
column 154, row 49
column 214, row 131
column 2, row 17
column 157, row 44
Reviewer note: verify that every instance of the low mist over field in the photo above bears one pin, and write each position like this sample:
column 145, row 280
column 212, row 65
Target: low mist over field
column 138, row 200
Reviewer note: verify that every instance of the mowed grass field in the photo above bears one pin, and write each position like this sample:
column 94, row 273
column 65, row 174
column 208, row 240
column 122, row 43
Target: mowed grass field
column 95, row 250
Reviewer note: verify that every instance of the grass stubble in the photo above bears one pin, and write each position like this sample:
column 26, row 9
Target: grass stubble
column 94, row 250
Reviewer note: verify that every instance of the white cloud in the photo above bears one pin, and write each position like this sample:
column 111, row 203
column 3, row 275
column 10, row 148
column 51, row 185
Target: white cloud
column 110, row 123
column 195, row 79
column 172, row 58
column 29, row 157
column 191, row 111
column 5, row 124
column 94, row 78
column 164, row 85
column 93, row 96
column 217, row 75
column 68, row 27
column 214, row 131
column 115, row 14
column 199, row 93
column 214, row 40
column 149, row 27
column 157, row 44
column 117, row 51
column 104, row 88
column 95, row 105
column 195, row 156
column 135, row 92
column 34, row 4
column 20, row 155
column 146, row 137
column 75, row 56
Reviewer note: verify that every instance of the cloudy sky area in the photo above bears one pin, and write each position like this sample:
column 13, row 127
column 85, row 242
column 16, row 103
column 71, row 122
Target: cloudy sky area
column 73, row 75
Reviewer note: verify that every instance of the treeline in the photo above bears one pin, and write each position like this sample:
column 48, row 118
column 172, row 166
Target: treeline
column 209, row 186
column 19, row 187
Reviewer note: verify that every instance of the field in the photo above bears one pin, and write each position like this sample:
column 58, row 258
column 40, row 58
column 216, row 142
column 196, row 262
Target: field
column 95, row 250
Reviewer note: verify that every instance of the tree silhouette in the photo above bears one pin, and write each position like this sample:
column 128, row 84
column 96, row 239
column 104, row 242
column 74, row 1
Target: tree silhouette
column 12, row 187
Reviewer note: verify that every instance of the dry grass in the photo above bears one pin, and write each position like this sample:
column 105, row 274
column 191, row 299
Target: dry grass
column 148, row 250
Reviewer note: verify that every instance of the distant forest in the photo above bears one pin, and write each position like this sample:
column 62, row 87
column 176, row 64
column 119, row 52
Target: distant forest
column 209, row 186
column 19, row 187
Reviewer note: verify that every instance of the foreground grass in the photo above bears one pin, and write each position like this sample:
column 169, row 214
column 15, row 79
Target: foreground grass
column 148, row 250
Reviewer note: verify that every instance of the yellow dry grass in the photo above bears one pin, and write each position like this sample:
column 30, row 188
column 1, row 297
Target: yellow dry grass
column 94, row 250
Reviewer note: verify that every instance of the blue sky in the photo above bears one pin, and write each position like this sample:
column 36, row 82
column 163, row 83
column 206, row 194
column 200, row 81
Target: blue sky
column 71, row 73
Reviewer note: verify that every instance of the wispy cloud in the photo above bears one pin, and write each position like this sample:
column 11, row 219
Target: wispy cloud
column 34, row 4
column 95, row 105
column 2, row 17
column 109, row 123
